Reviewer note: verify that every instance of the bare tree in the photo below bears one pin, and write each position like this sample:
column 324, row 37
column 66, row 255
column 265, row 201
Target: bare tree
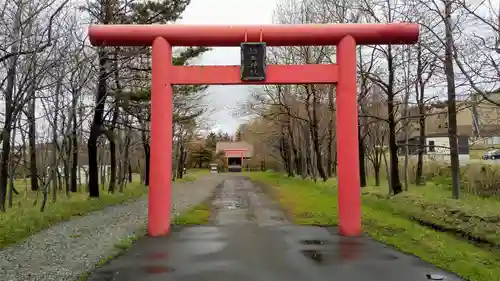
column 15, row 99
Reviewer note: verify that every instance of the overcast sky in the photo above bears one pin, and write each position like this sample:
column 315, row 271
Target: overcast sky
column 223, row 99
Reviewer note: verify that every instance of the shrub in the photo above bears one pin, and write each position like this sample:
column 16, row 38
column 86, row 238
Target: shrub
column 478, row 179
column 482, row 179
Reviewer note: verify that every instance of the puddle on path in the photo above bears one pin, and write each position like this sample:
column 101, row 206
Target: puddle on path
column 157, row 269
column 314, row 255
column 313, row 242
column 157, row 256
column 346, row 250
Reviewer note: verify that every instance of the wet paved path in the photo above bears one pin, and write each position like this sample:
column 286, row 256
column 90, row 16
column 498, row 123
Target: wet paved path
column 250, row 240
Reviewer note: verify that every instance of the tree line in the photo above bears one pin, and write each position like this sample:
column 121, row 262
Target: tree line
column 76, row 117
column 452, row 68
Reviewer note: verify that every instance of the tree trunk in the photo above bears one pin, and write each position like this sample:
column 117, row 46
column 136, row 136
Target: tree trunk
column 331, row 135
column 300, row 151
column 101, row 158
column 287, row 148
column 112, row 164
column 45, row 191
column 361, row 148
column 74, row 146
column 393, row 146
column 67, row 177
column 9, row 108
column 293, row 150
column 4, row 165
column 127, row 168
column 129, row 172
column 388, row 171
column 25, row 157
column 96, row 128
column 54, row 161
column 147, row 155
column 180, row 165
column 66, row 149
column 292, row 157
column 452, row 108
column 310, row 154
column 315, row 136
column 406, row 132
column 421, row 151
column 112, row 149
column 12, row 171
column 32, row 137
column 59, row 181
column 394, row 161
column 420, row 88
column 284, row 151
column 93, row 169
column 376, row 169
column 335, row 161
column 111, row 137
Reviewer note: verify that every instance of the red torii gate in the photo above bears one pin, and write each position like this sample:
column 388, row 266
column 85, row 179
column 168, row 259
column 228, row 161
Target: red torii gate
column 164, row 75
column 240, row 152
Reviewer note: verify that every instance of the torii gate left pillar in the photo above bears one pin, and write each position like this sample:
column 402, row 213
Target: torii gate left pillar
column 163, row 37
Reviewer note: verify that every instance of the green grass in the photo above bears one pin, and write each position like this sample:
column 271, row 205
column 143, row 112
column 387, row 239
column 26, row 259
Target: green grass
column 198, row 215
column 127, row 242
column 389, row 220
column 472, row 216
column 193, row 175
column 25, row 218
column 476, row 153
column 186, row 178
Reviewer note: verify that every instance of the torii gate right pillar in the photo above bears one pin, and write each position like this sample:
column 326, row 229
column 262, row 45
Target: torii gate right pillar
column 349, row 203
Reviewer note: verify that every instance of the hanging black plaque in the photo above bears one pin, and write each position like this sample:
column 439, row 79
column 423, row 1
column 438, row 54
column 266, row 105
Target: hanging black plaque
column 253, row 61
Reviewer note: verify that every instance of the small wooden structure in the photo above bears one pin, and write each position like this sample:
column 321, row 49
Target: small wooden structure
column 235, row 154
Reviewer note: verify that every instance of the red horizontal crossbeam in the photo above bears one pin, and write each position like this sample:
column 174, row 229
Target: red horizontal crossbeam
column 235, row 151
column 276, row 74
column 273, row 35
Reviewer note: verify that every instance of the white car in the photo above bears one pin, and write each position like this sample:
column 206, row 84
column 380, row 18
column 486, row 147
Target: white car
column 214, row 169
column 492, row 154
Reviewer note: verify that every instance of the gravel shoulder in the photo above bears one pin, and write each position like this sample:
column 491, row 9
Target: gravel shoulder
column 68, row 249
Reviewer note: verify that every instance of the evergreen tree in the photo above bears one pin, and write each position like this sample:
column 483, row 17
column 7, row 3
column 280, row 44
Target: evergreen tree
column 211, row 141
column 238, row 135
column 137, row 102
